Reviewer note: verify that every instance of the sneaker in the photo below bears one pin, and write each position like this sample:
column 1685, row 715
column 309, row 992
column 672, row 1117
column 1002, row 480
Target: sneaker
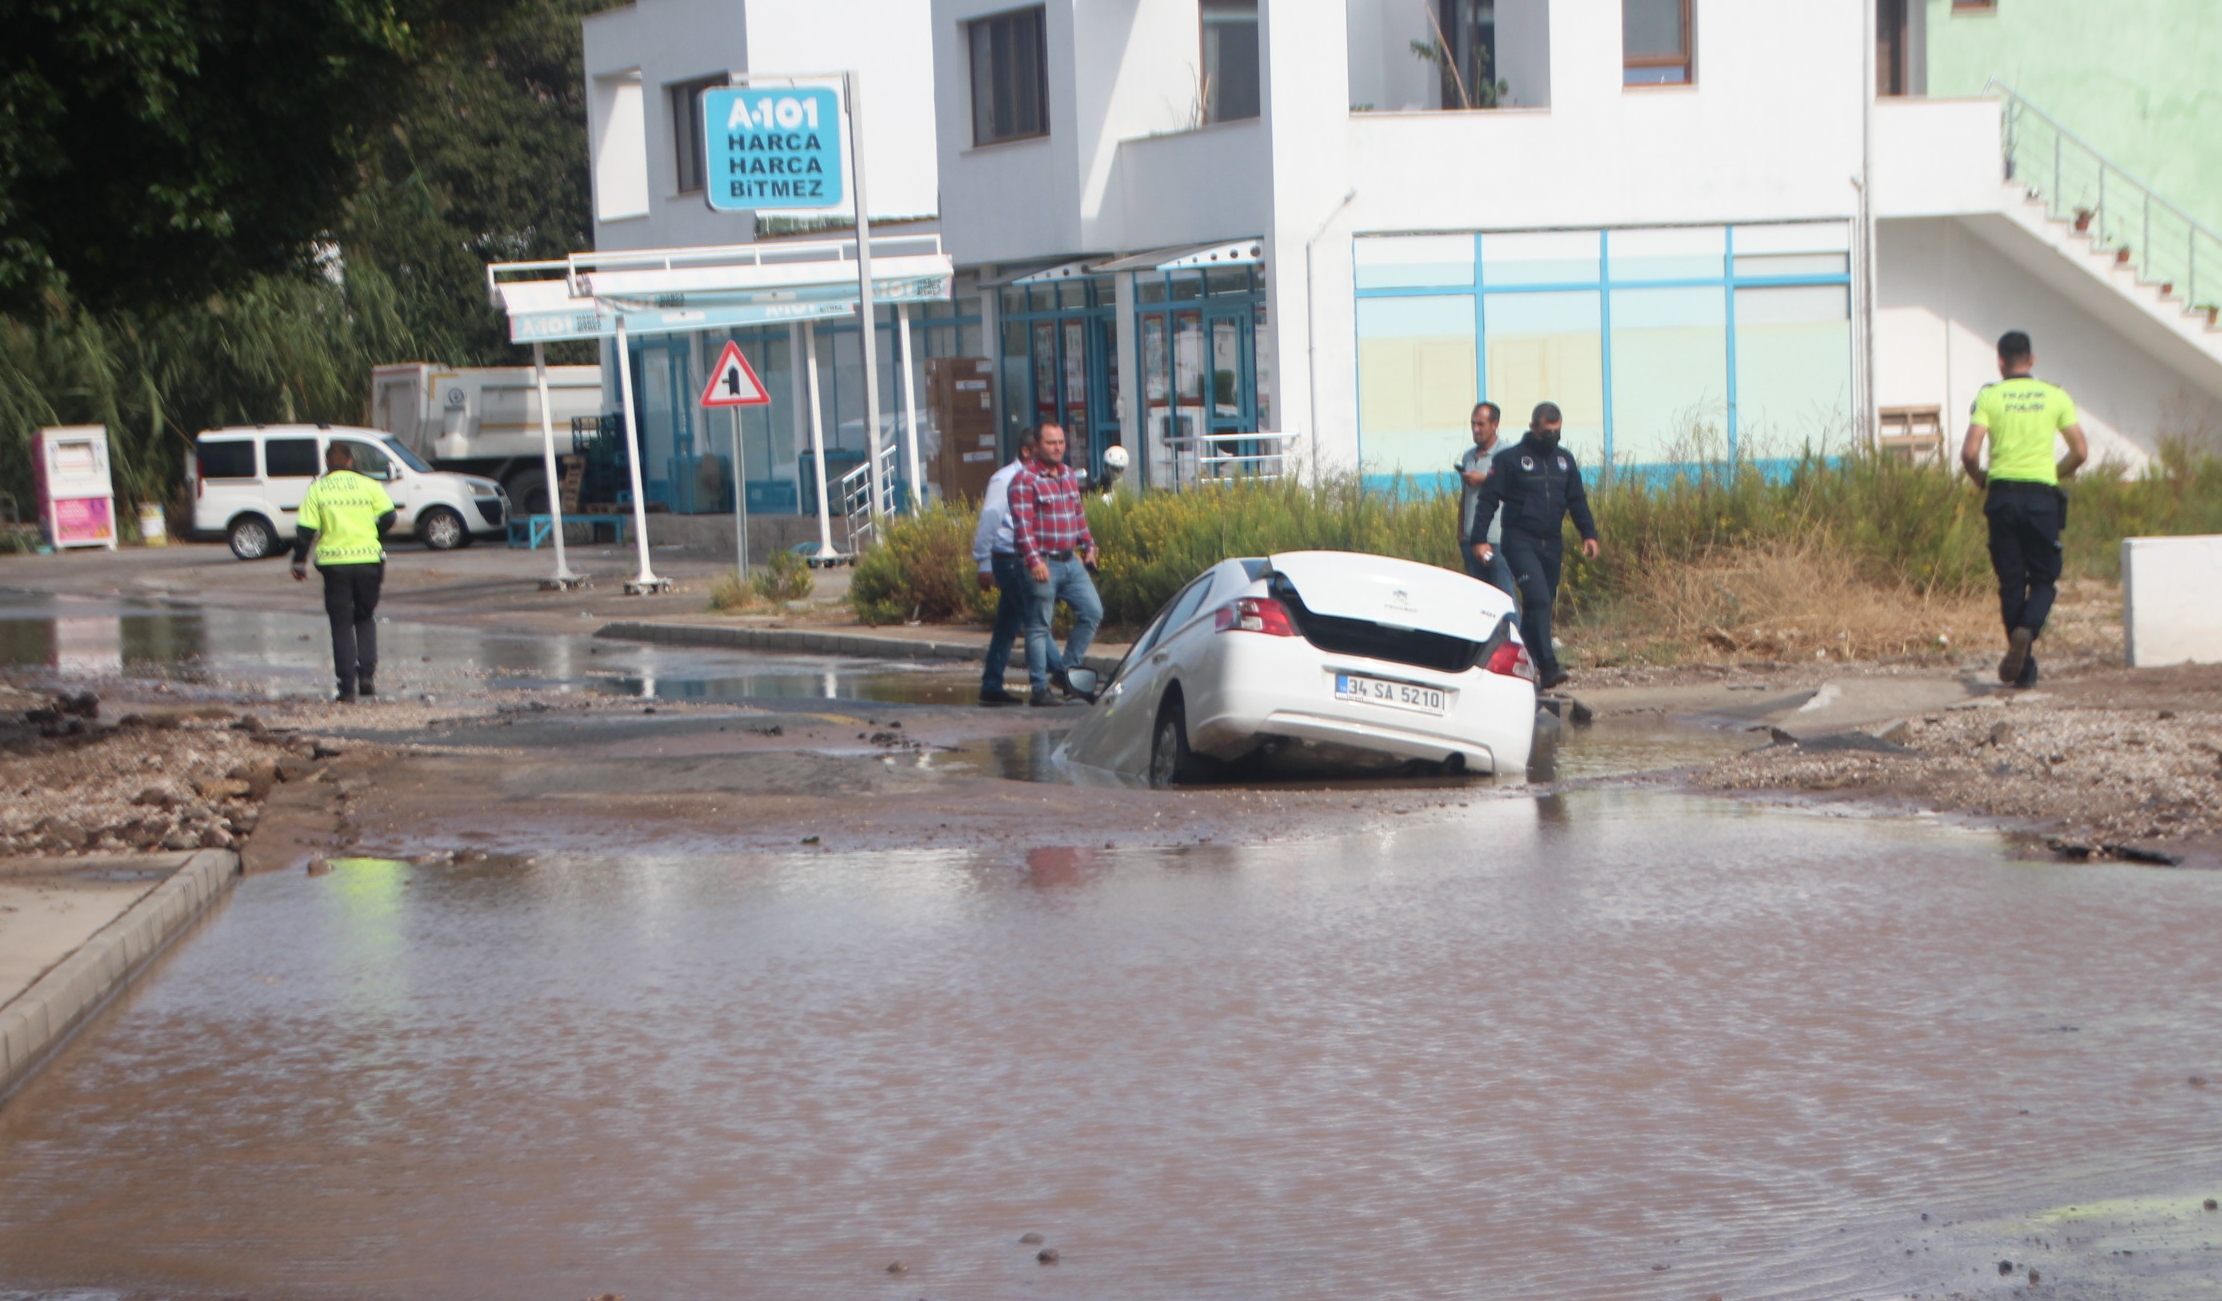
column 1000, row 697
column 2028, row 676
column 1044, row 700
column 2017, row 656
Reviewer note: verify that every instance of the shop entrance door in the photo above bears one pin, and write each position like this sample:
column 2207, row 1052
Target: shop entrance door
column 1075, row 377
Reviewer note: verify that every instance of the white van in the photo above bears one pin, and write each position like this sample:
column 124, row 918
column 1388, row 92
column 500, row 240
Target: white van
column 248, row 484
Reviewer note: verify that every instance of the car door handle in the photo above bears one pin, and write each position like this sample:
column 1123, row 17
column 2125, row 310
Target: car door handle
column 1158, row 658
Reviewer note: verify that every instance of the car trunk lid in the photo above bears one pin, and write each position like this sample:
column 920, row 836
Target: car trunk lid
column 1394, row 593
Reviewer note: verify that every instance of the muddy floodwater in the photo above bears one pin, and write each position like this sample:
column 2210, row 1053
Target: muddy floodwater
column 281, row 654
column 1599, row 1044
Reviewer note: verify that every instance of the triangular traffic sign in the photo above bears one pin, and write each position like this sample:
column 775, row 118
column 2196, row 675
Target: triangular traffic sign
column 733, row 383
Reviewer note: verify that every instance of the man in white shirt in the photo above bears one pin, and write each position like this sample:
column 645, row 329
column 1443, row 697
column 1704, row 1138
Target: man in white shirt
column 1473, row 471
column 995, row 551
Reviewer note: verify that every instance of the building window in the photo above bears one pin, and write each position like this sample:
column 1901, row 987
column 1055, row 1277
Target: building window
column 1655, row 42
column 1010, row 86
column 1462, row 45
column 620, row 148
column 1662, row 346
column 1230, row 77
column 1890, row 47
column 687, row 144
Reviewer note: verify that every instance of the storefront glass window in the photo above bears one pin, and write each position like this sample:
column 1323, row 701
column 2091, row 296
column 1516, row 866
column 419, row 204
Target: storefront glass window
column 1547, row 348
column 1661, row 345
column 1415, row 382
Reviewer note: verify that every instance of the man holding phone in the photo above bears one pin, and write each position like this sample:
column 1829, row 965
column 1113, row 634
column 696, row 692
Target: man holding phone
column 1473, row 471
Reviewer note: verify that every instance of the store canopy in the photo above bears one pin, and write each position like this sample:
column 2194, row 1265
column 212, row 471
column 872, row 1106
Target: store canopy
column 664, row 291
column 1186, row 257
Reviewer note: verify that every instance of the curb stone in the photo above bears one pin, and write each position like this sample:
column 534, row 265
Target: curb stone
column 36, row 1022
column 808, row 641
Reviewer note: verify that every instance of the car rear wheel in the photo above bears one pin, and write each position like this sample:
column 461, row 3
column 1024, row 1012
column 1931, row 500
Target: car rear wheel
column 442, row 529
column 251, row 537
column 1170, row 759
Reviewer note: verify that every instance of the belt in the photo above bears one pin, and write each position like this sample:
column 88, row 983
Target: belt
column 1066, row 554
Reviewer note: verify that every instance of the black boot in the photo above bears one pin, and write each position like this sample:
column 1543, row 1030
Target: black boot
column 363, row 685
column 346, row 692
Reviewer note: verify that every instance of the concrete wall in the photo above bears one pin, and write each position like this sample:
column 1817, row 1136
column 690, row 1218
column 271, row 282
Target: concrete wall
column 2135, row 78
column 2169, row 614
column 672, row 41
column 1945, row 293
column 1116, row 72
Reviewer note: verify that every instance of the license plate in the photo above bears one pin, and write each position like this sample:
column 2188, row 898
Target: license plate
column 1396, row 695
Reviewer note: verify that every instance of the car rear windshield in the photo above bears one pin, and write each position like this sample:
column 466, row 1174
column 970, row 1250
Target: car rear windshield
column 291, row 458
column 231, row 459
column 1376, row 641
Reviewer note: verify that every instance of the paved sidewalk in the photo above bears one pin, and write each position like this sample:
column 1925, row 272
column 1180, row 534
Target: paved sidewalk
column 73, row 931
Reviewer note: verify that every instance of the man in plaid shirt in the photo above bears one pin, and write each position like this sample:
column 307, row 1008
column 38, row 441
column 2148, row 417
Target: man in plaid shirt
column 1049, row 530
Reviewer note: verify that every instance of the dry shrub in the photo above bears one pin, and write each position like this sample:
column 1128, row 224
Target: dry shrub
column 1784, row 601
column 731, row 591
column 784, row 577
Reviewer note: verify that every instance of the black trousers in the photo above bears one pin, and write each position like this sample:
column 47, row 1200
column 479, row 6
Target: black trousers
column 2025, row 520
column 1535, row 569
column 351, row 600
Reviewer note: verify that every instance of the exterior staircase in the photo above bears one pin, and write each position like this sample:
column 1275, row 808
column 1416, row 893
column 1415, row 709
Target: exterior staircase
column 2160, row 267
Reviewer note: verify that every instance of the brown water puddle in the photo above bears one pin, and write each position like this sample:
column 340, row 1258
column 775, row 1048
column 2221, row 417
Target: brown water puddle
column 1608, row 1044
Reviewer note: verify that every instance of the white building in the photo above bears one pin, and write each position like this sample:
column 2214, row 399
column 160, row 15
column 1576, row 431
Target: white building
column 646, row 65
column 1354, row 220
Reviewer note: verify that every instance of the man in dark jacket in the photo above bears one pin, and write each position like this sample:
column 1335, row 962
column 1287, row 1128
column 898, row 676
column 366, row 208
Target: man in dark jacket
column 1539, row 485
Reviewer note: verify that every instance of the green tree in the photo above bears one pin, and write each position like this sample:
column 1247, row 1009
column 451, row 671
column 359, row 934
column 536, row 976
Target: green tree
column 487, row 162
column 154, row 151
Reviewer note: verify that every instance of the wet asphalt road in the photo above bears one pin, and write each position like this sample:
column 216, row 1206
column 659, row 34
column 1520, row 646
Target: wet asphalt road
column 1536, row 1047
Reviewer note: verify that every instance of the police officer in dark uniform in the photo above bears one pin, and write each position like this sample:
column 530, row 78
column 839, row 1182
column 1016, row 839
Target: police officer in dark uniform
column 1539, row 485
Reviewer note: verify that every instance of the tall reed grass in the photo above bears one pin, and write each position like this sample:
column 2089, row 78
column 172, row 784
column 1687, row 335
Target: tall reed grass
column 279, row 349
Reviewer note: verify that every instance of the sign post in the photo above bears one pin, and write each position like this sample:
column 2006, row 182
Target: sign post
column 733, row 385
column 646, row 582
column 781, row 148
column 870, row 334
column 563, row 578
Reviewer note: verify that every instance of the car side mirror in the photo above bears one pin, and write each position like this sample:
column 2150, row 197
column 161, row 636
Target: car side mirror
column 1084, row 681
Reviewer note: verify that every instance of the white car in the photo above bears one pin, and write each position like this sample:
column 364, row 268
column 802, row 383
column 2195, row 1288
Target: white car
column 1326, row 659
column 248, row 484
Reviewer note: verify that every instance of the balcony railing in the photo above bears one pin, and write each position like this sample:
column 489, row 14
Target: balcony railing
column 2165, row 246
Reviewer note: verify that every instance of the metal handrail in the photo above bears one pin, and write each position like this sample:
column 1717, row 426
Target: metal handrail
column 1220, row 458
column 2162, row 244
column 854, row 491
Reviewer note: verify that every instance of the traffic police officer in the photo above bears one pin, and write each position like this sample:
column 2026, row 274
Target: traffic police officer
column 2024, row 504
column 1539, row 485
column 342, row 516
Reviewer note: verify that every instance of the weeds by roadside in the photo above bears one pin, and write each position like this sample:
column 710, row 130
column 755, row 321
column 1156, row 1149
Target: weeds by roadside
column 1855, row 556
column 783, row 578
column 923, row 571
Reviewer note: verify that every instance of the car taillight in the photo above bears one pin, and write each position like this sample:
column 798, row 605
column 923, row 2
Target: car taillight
column 1511, row 659
column 1256, row 614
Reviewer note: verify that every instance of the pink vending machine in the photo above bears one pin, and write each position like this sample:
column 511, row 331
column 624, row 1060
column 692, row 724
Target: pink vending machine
column 77, row 501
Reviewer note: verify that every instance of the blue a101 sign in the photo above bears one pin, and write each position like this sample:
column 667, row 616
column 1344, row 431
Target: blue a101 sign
column 772, row 148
